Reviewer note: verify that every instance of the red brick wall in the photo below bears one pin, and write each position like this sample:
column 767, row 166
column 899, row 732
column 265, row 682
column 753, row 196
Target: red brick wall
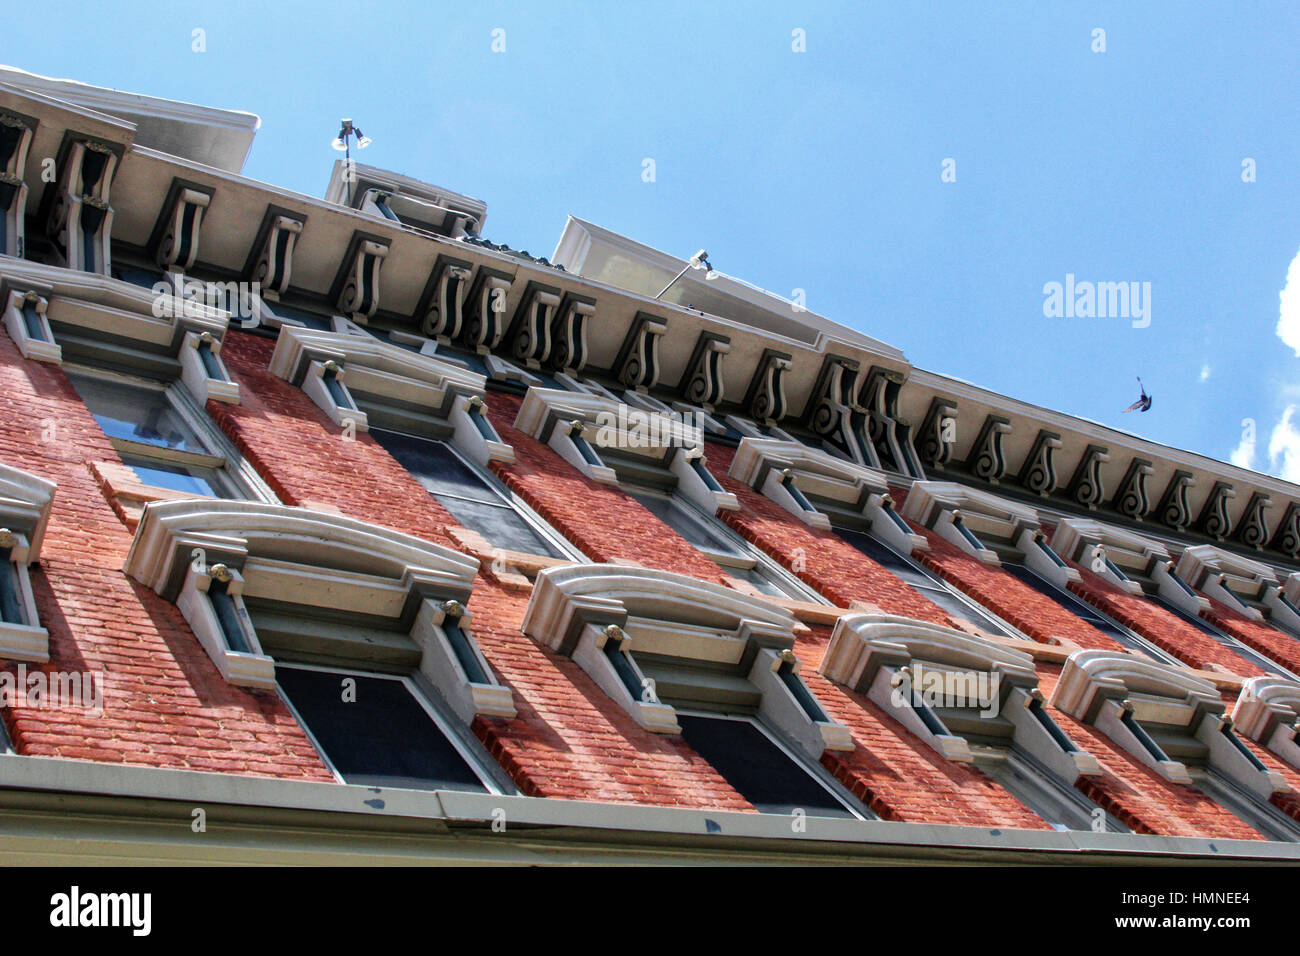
column 1037, row 615
column 1272, row 643
column 165, row 703
column 1136, row 795
column 604, row 523
column 835, row 569
column 1167, row 631
column 896, row 774
column 569, row 739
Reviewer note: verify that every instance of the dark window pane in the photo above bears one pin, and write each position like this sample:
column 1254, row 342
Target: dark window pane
column 890, row 559
column 757, row 768
column 1205, row 627
column 193, row 481
column 463, row 493
column 677, row 518
column 759, row 579
column 136, row 414
column 921, row 581
column 383, row 738
column 1070, row 603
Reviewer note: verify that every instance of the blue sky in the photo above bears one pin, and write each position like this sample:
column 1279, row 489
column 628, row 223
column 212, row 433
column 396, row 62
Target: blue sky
column 821, row 170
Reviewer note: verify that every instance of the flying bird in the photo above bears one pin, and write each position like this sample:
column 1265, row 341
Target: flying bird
column 1143, row 404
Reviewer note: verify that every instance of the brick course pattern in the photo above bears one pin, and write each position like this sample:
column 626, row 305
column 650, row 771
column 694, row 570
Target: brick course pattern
column 165, row 704
column 1269, row 641
column 1167, row 631
column 171, row 707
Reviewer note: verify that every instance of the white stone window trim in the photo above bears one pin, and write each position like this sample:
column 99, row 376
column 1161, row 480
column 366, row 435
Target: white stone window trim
column 575, row 609
column 154, row 317
column 1268, row 712
column 206, row 533
column 43, row 349
column 749, row 429
column 25, row 502
column 413, row 687
column 305, row 356
column 253, row 668
column 1222, row 575
column 562, row 418
column 218, row 453
column 940, row 505
column 879, row 655
column 765, row 463
column 1084, row 536
column 1090, row 543
column 1097, row 687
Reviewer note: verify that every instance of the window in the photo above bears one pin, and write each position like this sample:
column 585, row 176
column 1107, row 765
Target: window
column 1064, row 808
column 928, row 585
column 973, row 701
column 1205, row 627
column 472, row 498
column 728, row 551
column 162, row 434
column 761, row 770
column 1165, row 717
column 1247, row 807
column 25, row 502
column 377, row 731
column 1088, row 614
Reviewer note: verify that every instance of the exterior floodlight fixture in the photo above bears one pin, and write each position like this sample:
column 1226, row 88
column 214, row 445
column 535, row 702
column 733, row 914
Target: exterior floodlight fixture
column 343, row 143
column 698, row 261
column 346, row 132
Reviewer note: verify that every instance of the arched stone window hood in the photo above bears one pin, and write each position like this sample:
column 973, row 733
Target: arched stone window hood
column 57, row 315
column 1268, row 712
column 1121, row 556
column 951, row 689
column 260, row 582
column 817, row 487
column 1242, row 584
column 580, row 425
column 654, row 640
column 25, row 502
column 359, row 379
column 1161, row 715
column 985, row 526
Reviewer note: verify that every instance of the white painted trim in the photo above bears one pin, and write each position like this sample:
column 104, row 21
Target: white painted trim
column 25, row 503
column 253, row 669
column 15, row 323
column 195, row 376
column 245, row 527
column 440, row 665
column 314, row 387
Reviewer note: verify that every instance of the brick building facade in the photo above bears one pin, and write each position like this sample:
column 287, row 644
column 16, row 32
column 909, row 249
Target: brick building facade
column 333, row 517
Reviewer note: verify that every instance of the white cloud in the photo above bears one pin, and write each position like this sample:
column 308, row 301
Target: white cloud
column 1288, row 319
column 1243, row 456
column 1205, row 371
column 1284, row 446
